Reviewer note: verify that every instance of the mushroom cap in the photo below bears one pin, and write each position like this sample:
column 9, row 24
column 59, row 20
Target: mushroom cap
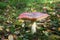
column 33, row 16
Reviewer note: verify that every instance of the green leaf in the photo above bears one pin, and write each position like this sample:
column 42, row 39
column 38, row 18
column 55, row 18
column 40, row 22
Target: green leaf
column 3, row 5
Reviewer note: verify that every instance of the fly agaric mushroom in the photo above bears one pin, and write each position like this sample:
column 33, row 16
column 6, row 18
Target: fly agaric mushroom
column 34, row 16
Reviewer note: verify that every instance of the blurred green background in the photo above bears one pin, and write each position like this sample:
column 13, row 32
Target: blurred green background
column 10, row 10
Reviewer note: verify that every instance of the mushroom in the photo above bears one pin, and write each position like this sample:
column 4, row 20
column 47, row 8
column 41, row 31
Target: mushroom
column 33, row 16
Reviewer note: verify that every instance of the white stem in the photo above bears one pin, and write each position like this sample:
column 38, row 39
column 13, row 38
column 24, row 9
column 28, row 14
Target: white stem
column 33, row 28
column 23, row 25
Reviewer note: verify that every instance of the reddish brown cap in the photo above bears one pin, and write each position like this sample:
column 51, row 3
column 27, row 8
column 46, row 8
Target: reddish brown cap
column 33, row 16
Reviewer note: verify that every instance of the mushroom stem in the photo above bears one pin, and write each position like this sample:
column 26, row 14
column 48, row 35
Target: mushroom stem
column 23, row 25
column 33, row 28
